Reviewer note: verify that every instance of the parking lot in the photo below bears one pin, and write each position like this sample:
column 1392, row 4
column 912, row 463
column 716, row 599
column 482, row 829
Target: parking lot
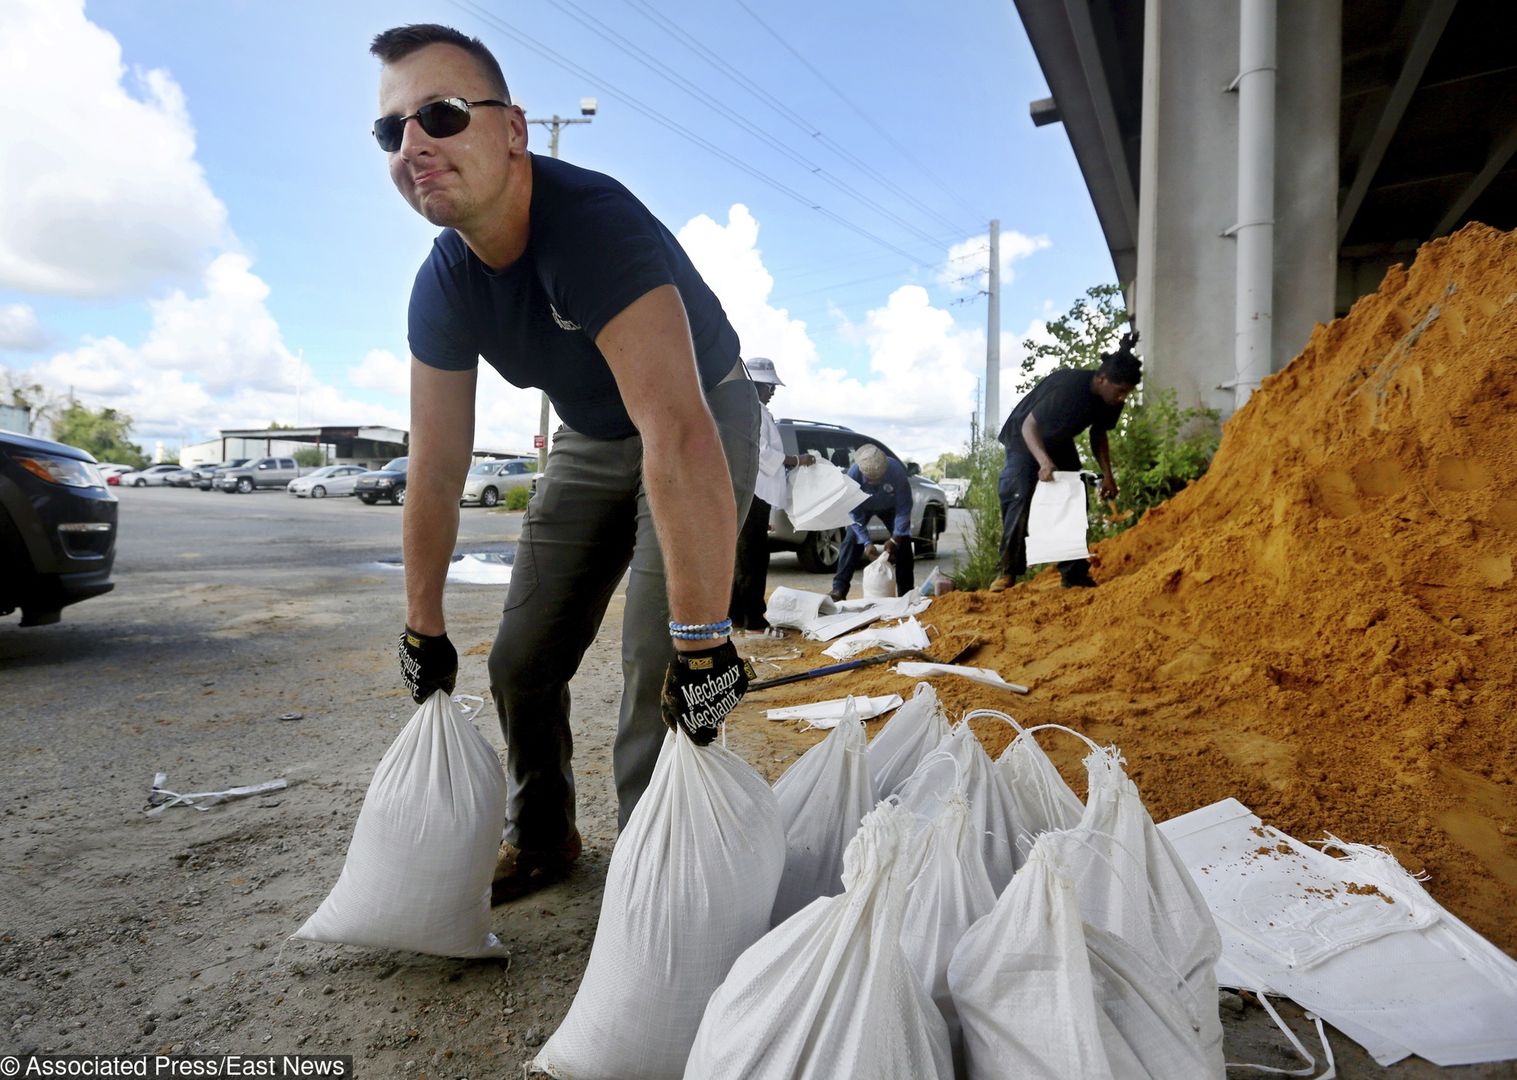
column 131, row 932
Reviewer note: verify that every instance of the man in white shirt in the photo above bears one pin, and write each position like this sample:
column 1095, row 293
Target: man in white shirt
column 752, row 571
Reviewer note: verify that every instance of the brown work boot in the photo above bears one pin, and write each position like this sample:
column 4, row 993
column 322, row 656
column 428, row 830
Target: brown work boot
column 1002, row 583
column 519, row 872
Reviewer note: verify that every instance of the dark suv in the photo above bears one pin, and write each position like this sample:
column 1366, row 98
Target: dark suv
column 57, row 528
column 386, row 483
column 817, row 551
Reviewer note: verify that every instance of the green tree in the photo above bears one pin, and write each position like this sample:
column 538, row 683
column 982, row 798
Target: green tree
column 1093, row 325
column 103, row 432
column 953, row 466
column 982, row 540
column 44, row 405
column 309, row 456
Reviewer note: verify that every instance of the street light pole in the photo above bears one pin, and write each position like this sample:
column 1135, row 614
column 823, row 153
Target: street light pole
column 587, row 112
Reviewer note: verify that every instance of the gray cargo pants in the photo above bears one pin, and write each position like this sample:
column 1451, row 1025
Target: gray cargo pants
column 588, row 522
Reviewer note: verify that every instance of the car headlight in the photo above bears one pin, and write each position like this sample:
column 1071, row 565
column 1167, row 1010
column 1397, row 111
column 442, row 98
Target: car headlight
column 384, row 483
column 70, row 472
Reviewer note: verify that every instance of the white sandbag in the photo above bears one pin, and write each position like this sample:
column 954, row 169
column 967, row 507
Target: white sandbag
column 691, row 884
column 829, row 993
column 995, row 823
column 797, row 608
column 853, row 614
column 1056, row 520
column 906, row 634
column 1039, row 794
column 825, row 715
column 1133, row 884
column 822, row 798
column 950, row 895
column 907, row 737
column 1041, row 996
column 879, row 579
column 821, row 496
column 417, row 875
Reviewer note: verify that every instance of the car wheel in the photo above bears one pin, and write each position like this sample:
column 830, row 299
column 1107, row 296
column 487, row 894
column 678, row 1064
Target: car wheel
column 139, row 482
column 398, row 496
column 367, row 500
column 318, row 492
column 818, row 553
column 932, row 528
column 489, row 497
column 244, row 485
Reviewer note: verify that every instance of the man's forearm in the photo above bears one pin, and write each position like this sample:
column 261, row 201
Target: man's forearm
column 694, row 512
column 429, row 532
column 1032, row 435
column 1101, row 447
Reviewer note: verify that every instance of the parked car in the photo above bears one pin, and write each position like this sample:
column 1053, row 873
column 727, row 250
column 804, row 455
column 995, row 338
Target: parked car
column 386, row 483
column 955, row 487
column 152, row 475
column 817, row 550
column 268, row 472
column 57, row 528
column 207, row 475
column 183, row 478
column 489, row 481
column 109, row 469
column 327, row 480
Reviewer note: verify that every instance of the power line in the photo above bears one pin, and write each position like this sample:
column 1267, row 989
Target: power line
column 865, row 116
column 710, row 101
column 764, row 97
column 607, row 87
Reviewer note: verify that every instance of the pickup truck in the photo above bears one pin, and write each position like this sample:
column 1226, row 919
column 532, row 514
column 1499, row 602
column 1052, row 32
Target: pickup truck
column 269, row 472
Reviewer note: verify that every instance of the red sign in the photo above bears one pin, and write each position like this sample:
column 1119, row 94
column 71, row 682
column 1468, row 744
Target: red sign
column 539, row 441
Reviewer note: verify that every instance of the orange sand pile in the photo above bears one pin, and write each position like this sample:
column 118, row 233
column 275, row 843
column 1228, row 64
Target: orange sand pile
column 1323, row 626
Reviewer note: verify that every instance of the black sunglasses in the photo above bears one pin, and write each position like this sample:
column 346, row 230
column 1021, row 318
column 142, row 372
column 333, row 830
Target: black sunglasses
column 439, row 119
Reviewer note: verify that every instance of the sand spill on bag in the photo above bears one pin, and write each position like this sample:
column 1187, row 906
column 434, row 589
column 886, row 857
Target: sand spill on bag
column 1323, row 626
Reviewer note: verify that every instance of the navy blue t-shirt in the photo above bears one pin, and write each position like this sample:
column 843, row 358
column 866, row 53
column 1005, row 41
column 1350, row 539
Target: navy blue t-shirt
column 1065, row 405
column 592, row 250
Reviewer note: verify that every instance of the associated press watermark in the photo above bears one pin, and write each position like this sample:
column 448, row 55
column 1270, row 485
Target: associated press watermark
column 167, row 1066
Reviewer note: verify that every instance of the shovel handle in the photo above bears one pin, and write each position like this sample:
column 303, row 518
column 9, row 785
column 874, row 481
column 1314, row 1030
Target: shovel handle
column 833, row 669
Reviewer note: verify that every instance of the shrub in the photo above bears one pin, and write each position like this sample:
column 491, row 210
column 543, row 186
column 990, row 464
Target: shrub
column 517, row 498
column 982, row 541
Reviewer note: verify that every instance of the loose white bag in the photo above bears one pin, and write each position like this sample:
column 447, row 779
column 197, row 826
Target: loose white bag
column 822, row 799
column 691, row 884
column 797, row 608
column 907, row 737
column 1057, row 521
column 417, row 875
column 822, row 496
column 829, row 994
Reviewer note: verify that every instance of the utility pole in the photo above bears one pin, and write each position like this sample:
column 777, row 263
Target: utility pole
column 993, row 333
column 587, row 112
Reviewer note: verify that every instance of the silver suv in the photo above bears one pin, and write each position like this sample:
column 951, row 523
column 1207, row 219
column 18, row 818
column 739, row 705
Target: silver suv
column 817, row 552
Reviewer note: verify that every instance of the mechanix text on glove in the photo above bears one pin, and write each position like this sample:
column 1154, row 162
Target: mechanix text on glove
column 702, row 687
column 427, row 664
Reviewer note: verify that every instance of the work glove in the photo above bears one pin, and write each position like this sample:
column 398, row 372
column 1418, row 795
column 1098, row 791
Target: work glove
column 701, row 688
column 427, row 664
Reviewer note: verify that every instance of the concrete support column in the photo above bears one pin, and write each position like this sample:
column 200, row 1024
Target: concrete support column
column 1185, row 291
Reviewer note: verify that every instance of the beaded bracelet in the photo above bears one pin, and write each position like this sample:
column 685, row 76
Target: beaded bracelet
column 700, row 631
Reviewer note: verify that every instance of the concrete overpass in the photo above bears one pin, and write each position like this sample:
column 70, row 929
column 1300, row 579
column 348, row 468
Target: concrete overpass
column 1256, row 165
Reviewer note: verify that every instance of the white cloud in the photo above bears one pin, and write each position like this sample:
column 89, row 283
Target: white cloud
column 19, row 329
column 382, row 370
column 111, row 200
column 967, row 267
column 211, row 361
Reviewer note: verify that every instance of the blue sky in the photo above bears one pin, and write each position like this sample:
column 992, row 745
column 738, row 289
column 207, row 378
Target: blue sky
column 208, row 232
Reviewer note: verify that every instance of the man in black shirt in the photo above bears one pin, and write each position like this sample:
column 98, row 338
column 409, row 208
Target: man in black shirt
column 1039, row 438
column 561, row 279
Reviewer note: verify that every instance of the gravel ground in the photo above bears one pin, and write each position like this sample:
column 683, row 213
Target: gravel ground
column 122, row 932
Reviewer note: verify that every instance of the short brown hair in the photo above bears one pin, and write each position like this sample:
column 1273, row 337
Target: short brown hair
column 401, row 41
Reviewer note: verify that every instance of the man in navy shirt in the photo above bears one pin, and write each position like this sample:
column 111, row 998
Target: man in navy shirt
column 561, row 279
column 1039, row 437
column 885, row 481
